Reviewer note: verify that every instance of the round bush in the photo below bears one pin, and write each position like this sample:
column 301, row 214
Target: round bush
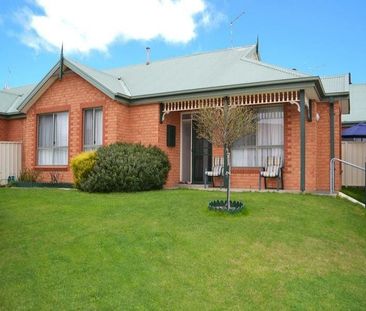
column 127, row 167
column 82, row 165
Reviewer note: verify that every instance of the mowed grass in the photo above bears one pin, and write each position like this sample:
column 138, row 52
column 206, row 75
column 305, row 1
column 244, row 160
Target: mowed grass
column 164, row 250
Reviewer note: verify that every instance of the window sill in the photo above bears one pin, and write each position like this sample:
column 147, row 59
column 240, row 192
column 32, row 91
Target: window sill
column 51, row 167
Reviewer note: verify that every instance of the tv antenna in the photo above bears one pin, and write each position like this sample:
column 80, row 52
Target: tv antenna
column 6, row 84
column 231, row 27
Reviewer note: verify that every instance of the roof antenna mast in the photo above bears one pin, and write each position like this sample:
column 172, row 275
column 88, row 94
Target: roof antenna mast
column 61, row 72
column 6, row 85
column 231, row 27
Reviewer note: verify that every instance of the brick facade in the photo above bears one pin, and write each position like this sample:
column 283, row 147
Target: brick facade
column 140, row 123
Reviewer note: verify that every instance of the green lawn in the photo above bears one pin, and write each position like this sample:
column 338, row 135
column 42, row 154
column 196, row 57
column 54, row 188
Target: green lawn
column 164, row 250
column 357, row 193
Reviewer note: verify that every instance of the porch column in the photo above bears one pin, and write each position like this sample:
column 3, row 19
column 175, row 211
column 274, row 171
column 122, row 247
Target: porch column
column 302, row 140
column 331, row 119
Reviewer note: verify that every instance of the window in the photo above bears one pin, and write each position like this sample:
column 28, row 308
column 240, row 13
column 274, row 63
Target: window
column 93, row 124
column 252, row 150
column 53, row 139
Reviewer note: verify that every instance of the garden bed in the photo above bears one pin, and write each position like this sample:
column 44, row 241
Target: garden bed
column 29, row 184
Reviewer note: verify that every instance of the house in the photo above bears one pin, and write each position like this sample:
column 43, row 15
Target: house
column 76, row 108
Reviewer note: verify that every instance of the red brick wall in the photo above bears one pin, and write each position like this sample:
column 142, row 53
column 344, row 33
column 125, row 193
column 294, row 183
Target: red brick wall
column 323, row 146
column 291, row 170
column 11, row 129
column 3, row 129
column 172, row 152
column 144, row 124
column 15, row 130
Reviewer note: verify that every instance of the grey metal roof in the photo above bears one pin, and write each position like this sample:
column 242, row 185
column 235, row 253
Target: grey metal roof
column 114, row 84
column 336, row 84
column 200, row 71
column 358, row 104
column 223, row 69
column 10, row 99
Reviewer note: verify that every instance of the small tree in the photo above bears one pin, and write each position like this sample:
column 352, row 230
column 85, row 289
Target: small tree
column 223, row 126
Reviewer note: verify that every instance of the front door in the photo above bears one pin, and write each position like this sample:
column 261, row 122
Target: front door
column 201, row 157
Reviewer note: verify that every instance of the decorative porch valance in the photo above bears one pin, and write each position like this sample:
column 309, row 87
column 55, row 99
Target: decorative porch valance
column 264, row 98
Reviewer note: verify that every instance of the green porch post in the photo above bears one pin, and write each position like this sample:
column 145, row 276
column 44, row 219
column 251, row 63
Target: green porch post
column 302, row 140
column 331, row 119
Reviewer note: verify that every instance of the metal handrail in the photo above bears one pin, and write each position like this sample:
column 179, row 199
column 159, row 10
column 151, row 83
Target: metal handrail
column 331, row 175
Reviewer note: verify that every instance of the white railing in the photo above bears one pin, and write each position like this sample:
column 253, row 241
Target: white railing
column 331, row 175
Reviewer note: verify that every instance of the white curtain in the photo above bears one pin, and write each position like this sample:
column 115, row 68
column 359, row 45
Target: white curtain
column 93, row 128
column 252, row 150
column 53, row 139
column 61, row 137
column 98, row 127
column 88, row 129
column 269, row 133
column 244, row 152
column 45, row 139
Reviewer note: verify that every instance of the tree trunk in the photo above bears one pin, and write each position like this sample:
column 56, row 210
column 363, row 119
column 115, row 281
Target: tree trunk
column 228, row 172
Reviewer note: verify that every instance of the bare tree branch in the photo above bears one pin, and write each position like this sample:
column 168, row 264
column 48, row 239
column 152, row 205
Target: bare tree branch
column 224, row 130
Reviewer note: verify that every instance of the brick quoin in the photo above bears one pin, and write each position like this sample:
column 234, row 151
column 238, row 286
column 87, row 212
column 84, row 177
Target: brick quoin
column 141, row 124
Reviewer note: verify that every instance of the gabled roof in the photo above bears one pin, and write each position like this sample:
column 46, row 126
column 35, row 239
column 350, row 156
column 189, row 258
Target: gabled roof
column 213, row 71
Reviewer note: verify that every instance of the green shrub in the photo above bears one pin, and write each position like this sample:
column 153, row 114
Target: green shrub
column 28, row 175
column 82, row 165
column 127, row 167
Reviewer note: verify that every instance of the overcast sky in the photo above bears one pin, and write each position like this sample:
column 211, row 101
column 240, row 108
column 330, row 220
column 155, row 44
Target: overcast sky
column 319, row 37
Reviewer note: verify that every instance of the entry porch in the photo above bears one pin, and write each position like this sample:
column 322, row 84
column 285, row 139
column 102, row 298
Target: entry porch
column 283, row 119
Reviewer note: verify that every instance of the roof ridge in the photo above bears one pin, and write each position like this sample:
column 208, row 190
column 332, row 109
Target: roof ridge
column 92, row 68
column 124, row 85
column 278, row 68
column 184, row 56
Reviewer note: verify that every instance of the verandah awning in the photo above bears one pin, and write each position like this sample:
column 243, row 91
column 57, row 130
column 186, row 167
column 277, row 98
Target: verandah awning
column 263, row 98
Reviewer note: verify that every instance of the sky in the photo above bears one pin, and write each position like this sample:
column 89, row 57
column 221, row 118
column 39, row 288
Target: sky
column 318, row 37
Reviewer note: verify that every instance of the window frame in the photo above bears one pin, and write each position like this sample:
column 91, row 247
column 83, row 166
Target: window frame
column 256, row 148
column 94, row 146
column 54, row 148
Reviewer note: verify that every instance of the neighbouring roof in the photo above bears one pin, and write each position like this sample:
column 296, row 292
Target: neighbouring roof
column 11, row 99
column 358, row 130
column 221, row 69
column 336, row 84
column 358, row 104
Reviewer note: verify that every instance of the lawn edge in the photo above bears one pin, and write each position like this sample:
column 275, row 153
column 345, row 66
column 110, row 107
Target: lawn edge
column 349, row 198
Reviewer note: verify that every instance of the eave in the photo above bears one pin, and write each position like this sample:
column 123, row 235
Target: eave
column 299, row 83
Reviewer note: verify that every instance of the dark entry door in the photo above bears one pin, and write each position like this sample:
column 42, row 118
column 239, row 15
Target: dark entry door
column 201, row 157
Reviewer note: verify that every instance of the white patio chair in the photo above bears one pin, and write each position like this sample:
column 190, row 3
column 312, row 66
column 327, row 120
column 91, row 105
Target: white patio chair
column 272, row 169
column 217, row 171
